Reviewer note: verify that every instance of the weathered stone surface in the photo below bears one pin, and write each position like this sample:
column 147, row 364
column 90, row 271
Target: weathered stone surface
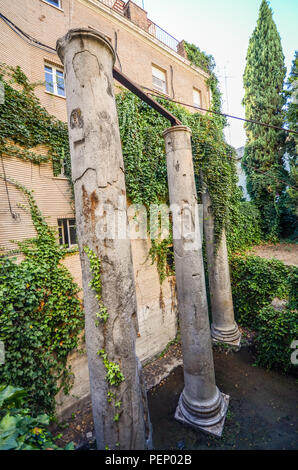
column 201, row 403
column 224, row 327
column 98, row 177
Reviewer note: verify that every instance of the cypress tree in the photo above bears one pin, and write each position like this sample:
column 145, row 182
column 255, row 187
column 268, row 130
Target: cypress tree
column 289, row 212
column 264, row 100
column 292, row 109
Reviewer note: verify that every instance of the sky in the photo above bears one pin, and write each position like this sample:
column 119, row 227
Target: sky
column 223, row 28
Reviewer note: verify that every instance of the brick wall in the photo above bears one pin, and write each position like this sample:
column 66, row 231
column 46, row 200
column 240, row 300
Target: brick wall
column 137, row 15
column 137, row 50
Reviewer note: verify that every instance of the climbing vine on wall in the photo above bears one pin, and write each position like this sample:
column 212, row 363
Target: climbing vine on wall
column 25, row 124
column 141, row 131
column 41, row 316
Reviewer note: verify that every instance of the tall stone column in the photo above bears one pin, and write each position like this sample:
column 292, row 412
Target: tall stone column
column 121, row 418
column 201, row 404
column 223, row 328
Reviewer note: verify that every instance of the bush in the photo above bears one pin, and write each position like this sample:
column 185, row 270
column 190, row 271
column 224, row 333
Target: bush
column 293, row 289
column 255, row 283
column 19, row 430
column 277, row 329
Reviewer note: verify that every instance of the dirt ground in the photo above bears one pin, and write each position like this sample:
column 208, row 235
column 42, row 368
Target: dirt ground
column 286, row 252
column 263, row 411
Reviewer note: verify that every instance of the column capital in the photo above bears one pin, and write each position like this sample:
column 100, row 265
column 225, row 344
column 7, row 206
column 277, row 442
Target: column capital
column 82, row 33
column 172, row 129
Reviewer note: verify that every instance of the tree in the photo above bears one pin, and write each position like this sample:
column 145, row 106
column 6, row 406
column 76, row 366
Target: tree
column 289, row 215
column 264, row 100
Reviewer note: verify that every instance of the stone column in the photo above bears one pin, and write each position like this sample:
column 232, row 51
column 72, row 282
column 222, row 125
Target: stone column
column 99, row 185
column 201, row 404
column 223, row 328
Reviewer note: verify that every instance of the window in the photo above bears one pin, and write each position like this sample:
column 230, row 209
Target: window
column 56, row 3
column 159, row 79
column 54, row 80
column 67, row 232
column 197, row 98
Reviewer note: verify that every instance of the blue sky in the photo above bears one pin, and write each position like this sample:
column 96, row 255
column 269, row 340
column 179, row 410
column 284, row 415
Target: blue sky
column 223, row 28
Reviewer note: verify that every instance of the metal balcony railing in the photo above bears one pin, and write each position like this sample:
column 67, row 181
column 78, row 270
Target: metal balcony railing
column 153, row 28
column 163, row 36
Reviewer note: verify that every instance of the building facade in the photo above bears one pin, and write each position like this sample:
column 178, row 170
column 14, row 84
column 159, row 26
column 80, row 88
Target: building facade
column 151, row 58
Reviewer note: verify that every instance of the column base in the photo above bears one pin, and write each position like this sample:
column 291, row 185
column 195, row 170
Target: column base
column 232, row 336
column 208, row 418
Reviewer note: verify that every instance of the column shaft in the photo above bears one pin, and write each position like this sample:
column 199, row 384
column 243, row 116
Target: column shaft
column 98, row 178
column 201, row 403
column 224, row 327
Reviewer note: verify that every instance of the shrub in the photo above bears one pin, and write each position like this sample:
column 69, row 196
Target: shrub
column 255, row 283
column 293, row 289
column 277, row 329
column 18, row 429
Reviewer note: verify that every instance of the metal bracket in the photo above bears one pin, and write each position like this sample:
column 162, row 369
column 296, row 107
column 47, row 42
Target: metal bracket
column 131, row 86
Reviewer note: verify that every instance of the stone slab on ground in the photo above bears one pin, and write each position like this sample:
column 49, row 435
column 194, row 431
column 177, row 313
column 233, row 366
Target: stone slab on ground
column 158, row 370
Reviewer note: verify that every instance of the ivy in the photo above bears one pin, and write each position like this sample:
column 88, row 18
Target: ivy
column 277, row 330
column 95, row 284
column 114, row 375
column 199, row 58
column 207, row 63
column 141, row 130
column 25, row 124
column 41, row 315
column 161, row 253
column 255, row 283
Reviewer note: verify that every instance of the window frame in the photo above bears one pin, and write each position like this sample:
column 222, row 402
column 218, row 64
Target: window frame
column 61, row 225
column 165, row 81
column 194, row 91
column 49, row 2
column 54, row 69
